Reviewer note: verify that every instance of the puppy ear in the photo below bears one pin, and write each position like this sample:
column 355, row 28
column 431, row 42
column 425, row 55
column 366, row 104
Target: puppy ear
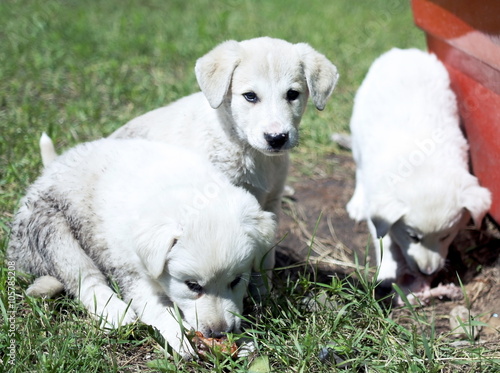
column 321, row 74
column 476, row 199
column 215, row 69
column 384, row 215
column 153, row 242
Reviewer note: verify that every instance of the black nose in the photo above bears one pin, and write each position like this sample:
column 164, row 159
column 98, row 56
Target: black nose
column 214, row 334
column 276, row 140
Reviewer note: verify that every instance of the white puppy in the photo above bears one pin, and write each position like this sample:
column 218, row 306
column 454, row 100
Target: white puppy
column 412, row 181
column 162, row 222
column 247, row 115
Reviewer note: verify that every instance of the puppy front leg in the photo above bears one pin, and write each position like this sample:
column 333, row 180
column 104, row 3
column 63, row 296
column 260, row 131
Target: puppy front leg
column 167, row 320
column 103, row 302
column 356, row 205
column 387, row 264
column 261, row 280
column 155, row 309
column 262, row 273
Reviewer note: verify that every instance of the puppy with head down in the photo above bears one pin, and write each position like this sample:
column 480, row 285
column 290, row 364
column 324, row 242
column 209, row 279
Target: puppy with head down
column 413, row 185
column 177, row 237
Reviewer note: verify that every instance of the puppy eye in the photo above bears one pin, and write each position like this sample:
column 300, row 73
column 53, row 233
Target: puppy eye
column 235, row 282
column 414, row 237
column 251, row 97
column 444, row 238
column 194, row 287
column 292, row 95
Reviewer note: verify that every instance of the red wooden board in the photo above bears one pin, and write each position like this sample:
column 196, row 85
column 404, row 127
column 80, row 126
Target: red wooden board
column 465, row 35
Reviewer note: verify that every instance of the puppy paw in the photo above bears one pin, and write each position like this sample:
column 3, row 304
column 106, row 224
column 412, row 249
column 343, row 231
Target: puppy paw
column 114, row 313
column 45, row 287
column 246, row 348
column 355, row 209
column 185, row 348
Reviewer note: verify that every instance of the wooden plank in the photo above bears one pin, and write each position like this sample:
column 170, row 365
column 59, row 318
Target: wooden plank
column 465, row 35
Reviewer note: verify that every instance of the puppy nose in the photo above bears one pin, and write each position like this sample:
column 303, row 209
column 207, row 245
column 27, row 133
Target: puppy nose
column 428, row 270
column 429, row 260
column 214, row 334
column 276, row 140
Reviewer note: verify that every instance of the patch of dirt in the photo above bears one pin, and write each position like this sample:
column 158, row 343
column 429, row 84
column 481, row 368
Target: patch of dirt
column 318, row 233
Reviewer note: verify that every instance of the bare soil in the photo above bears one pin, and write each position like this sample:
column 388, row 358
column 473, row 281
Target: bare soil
column 318, row 233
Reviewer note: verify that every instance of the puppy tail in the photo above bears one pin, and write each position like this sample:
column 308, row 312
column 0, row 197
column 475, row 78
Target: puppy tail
column 47, row 150
column 343, row 140
column 45, row 286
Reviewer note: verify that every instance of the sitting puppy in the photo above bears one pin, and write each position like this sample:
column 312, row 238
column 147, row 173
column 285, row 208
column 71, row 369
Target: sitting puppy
column 247, row 115
column 412, row 181
column 159, row 220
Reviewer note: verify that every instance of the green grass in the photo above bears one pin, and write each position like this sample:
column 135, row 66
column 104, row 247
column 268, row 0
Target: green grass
column 81, row 69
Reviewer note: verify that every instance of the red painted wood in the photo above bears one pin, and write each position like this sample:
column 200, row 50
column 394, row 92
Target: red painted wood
column 465, row 35
column 469, row 25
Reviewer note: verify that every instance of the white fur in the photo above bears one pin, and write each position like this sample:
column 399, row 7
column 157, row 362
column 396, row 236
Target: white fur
column 412, row 180
column 47, row 150
column 230, row 131
column 157, row 219
column 45, row 286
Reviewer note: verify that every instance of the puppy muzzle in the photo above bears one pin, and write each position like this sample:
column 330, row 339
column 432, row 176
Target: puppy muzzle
column 431, row 265
column 276, row 141
column 219, row 329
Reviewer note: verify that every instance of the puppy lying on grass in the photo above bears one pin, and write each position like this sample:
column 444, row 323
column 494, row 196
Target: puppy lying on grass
column 413, row 185
column 177, row 237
